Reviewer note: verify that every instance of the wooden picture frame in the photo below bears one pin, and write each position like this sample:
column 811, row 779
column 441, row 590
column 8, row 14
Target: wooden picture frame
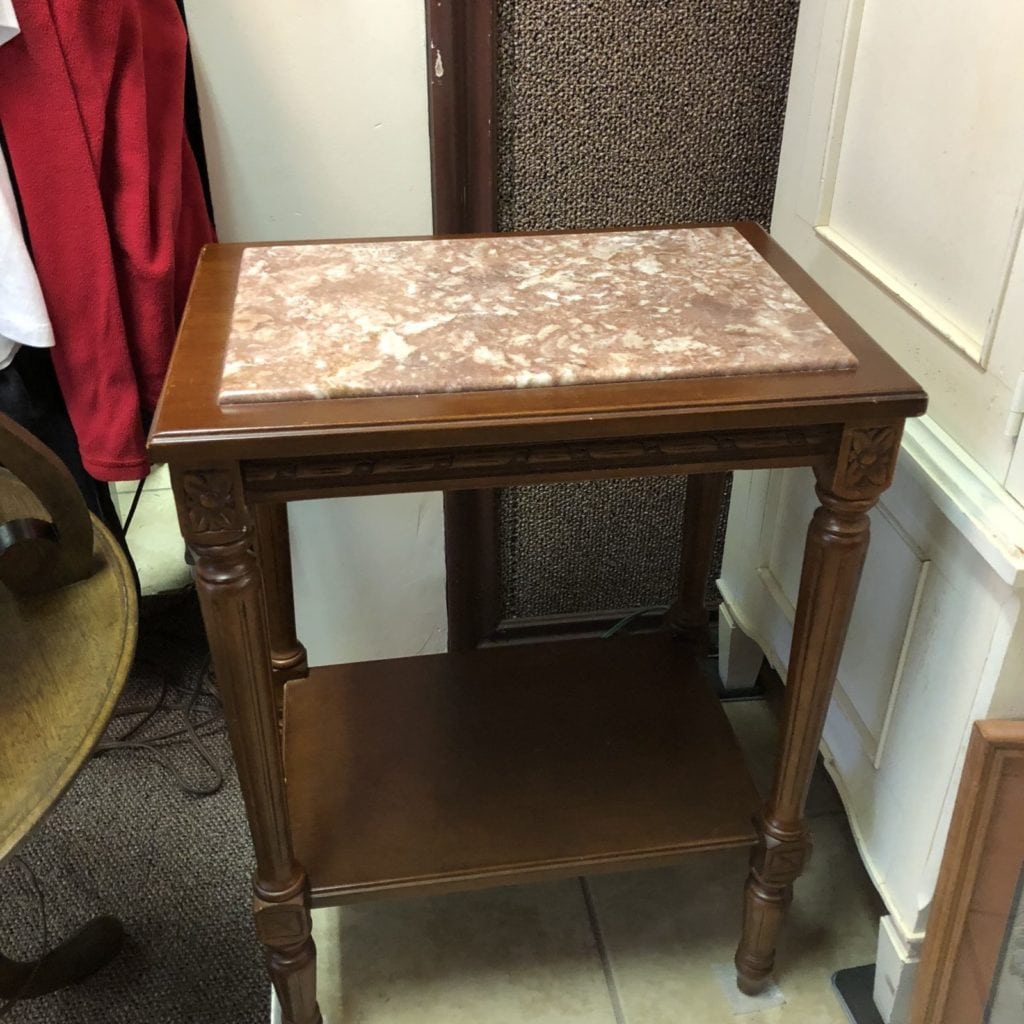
column 972, row 967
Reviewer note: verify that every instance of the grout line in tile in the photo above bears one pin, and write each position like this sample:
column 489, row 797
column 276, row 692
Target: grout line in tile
column 602, row 950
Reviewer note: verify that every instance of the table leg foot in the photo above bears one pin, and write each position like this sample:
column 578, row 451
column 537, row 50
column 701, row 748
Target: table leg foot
column 284, row 926
column 752, row 986
column 777, row 861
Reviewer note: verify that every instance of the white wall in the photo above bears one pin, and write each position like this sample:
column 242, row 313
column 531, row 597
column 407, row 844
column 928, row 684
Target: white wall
column 315, row 123
column 314, row 116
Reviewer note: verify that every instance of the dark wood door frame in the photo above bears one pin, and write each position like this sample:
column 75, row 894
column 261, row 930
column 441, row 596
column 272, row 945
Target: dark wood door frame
column 463, row 161
column 462, row 106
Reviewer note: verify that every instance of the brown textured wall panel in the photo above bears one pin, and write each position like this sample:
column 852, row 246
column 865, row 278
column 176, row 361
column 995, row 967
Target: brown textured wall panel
column 616, row 113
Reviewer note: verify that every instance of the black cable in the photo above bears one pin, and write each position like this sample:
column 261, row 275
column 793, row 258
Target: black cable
column 629, row 619
column 151, row 744
column 134, row 505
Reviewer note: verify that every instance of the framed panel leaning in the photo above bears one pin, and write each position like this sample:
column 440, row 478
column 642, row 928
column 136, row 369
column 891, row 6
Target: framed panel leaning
column 972, row 968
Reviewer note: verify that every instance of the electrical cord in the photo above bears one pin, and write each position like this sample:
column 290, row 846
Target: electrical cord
column 629, row 619
column 134, row 505
column 191, row 731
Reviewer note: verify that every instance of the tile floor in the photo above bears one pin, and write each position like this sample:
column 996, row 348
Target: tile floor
column 153, row 538
column 634, row 948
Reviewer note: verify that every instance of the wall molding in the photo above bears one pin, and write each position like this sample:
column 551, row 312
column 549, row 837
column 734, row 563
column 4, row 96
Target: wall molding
column 839, row 105
column 896, row 962
column 981, row 509
column 873, row 746
column 462, row 102
column 975, row 349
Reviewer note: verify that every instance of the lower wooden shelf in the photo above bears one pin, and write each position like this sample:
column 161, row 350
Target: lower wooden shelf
column 506, row 765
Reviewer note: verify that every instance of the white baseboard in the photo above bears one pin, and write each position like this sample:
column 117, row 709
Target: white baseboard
column 896, row 964
column 739, row 655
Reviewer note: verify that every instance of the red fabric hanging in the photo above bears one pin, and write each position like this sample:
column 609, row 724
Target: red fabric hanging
column 92, row 107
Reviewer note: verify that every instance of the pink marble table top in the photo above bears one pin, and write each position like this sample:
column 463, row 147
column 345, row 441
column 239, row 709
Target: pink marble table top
column 350, row 319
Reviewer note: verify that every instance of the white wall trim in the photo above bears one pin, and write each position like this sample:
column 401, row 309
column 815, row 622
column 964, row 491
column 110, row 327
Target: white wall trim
column 734, row 609
column 840, row 698
column 970, row 398
column 838, row 91
column 901, row 664
column 839, row 102
column 873, row 745
column 975, row 349
column 896, row 963
column 974, row 502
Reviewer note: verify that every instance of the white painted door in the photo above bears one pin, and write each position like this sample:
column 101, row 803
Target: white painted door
column 901, row 187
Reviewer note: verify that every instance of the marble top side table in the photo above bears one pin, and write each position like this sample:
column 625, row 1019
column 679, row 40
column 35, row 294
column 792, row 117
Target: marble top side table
column 372, row 367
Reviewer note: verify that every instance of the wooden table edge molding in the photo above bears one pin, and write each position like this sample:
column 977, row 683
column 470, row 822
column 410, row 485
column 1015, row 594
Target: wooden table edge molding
column 233, row 468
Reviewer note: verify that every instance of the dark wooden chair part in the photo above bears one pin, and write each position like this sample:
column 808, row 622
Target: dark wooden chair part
column 40, row 552
column 69, row 621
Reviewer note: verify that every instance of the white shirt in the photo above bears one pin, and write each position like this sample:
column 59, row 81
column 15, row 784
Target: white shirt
column 8, row 21
column 23, row 316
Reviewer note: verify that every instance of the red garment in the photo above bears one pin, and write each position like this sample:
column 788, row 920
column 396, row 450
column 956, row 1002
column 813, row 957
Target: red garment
column 92, row 106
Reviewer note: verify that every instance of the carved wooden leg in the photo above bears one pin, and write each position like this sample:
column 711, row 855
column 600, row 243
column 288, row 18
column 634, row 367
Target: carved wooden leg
column 688, row 618
column 220, row 532
column 287, row 655
column 283, row 924
column 837, row 542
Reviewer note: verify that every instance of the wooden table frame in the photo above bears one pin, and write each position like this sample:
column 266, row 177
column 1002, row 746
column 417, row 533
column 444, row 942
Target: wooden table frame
column 234, row 467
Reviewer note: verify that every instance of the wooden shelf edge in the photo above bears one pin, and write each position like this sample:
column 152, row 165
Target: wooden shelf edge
column 518, row 874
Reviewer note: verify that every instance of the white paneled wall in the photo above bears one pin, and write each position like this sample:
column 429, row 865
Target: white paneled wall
column 934, row 109
column 315, row 122
column 901, row 188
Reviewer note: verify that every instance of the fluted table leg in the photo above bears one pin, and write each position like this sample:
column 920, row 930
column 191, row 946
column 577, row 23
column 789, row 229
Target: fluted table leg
column 837, row 543
column 287, row 655
column 220, row 531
